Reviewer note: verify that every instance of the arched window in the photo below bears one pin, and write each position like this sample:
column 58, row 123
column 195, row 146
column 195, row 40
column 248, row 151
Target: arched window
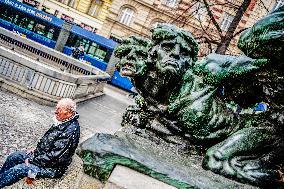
column 154, row 23
column 95, row 7
column 127, row 15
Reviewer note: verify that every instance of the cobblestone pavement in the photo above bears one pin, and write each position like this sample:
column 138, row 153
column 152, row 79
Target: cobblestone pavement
column 22, row 123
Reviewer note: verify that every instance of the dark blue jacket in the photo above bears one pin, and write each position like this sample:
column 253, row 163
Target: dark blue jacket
column 56, row 148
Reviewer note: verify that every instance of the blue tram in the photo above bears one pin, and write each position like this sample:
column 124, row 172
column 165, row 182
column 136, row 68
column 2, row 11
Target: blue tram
column 45, row 28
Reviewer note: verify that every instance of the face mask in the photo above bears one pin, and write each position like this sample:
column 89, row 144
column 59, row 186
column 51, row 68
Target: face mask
column 55, row 121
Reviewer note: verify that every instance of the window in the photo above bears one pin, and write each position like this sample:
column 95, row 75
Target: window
column 31, row 25
column 71, row 3
column 115, row 38
column 101, row 53
column 279, row 4
column 170, row 3
column 95, row 8
column 156, row 22
column 126, row 16
column 40, row 29
column 199, row 11
column 227, row 20
column 50, row 33
column 90, row 47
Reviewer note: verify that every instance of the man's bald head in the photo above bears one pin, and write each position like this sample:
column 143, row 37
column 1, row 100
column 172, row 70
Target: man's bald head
column 65, row 109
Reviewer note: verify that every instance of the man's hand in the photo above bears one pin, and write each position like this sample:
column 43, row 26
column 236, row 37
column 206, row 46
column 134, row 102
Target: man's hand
column 27, row 161
column 31, row 150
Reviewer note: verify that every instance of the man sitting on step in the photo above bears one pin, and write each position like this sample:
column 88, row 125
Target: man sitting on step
column 53, row 154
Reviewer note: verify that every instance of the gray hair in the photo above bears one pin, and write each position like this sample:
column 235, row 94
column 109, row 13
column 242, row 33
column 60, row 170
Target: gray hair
column 68, row 104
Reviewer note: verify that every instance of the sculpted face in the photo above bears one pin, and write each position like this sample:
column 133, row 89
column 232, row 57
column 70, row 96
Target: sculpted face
column 133, row 54
column 173, row 56
column 175, row 50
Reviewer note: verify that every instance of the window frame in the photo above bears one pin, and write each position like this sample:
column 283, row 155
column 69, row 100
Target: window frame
column 170, row 3
column 127, row 18
column 71, row 3
column 199, row 12
column 95, row 8
column 226, row 22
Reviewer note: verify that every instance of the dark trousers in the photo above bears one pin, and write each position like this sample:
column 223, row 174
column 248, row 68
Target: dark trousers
column 15, row 169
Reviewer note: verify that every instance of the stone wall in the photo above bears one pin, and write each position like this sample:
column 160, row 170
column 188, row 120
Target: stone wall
column 32, row 79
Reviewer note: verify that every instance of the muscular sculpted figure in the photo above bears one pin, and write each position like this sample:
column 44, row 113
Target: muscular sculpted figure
column 213, row 100
column 156, row 66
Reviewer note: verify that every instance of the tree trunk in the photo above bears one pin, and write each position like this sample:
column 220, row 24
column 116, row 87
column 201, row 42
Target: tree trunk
column 225, row 41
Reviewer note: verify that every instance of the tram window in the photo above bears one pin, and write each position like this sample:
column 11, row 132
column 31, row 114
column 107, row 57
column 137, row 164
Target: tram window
column 92, row 49
column 101, row 53
column 40, row 29
column 74, row 40
column 86, row 47
column 16, row 19
column 31, row 25
column 50, row 33
column 23, row 22
column 6, row 15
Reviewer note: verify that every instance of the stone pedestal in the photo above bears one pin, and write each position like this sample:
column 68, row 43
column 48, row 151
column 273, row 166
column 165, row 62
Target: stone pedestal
column 160, row 161
column 123, row 177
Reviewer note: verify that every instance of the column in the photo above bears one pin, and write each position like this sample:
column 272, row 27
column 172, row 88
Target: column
column 63, row 36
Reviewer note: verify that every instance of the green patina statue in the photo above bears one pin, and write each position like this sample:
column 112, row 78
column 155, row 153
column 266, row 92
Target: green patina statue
column 214, row 103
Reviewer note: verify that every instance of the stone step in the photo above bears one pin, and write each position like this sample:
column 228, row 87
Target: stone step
column 126, row 178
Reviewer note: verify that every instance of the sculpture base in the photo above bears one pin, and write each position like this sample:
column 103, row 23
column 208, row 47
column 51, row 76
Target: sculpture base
column 159, row 160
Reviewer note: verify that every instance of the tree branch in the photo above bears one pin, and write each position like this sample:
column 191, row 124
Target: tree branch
column 209, row 12
column 231, row 30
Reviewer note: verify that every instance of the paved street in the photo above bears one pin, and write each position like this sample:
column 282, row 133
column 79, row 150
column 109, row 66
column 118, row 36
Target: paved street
column 104, row 113
column 23, row 122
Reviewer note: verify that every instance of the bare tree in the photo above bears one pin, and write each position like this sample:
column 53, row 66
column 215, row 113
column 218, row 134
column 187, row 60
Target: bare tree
column 210, row 33
column 226, row 39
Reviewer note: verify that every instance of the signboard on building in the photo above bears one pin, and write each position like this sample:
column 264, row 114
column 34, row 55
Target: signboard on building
column 67, row 18
column 87, row 27
column 32, row 3
column 32, row 11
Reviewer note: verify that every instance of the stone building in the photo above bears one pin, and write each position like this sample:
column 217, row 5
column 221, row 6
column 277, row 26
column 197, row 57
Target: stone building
column 89, row 14
column 128, row 17
column 136, row 17
column 117, row 19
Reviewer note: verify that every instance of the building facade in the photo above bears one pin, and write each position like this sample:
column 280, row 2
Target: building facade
column 117, row 19
column 88, row 14
column 137, row 17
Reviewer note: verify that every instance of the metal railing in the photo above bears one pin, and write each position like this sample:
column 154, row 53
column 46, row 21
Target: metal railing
column 27, row 67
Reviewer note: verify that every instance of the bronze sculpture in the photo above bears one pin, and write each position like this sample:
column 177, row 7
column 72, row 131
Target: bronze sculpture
column 210, row 100
column 209, row 105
